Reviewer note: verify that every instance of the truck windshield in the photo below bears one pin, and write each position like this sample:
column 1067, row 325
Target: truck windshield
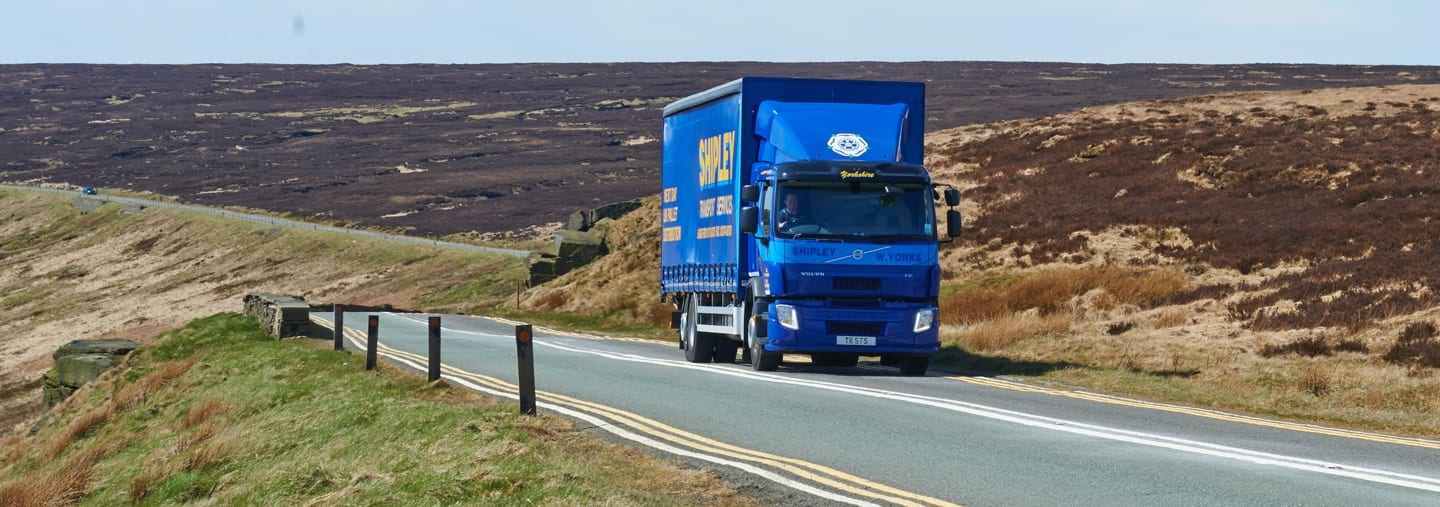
column 855, row 211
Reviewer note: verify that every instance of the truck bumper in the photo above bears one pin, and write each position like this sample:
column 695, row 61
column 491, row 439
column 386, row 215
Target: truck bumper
column 864, row 331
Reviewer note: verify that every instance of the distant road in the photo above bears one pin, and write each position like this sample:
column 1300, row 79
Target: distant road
column 281, row 222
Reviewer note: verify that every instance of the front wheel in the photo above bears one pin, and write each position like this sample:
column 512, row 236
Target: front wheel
column 914, row 366
column 760, row 360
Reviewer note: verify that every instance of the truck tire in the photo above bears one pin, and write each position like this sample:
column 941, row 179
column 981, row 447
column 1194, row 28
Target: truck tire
column 699, row 347
column 725, row 349
column 760, row 360
column 914, row 366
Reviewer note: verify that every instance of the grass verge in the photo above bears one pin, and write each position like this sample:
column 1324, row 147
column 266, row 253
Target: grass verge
column 217, row 412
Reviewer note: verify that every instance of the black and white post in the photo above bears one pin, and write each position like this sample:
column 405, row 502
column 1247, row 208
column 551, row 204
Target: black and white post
column 339, row 327
column 434, row 349
column 525, row 350
column 372, row 340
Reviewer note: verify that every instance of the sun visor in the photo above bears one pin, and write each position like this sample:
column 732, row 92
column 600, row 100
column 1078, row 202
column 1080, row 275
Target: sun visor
column 791, row 131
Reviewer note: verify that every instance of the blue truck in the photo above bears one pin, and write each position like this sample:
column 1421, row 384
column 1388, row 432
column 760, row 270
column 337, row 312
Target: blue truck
column 796, row 218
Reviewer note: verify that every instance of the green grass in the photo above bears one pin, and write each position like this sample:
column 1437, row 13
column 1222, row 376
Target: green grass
column 217, row 412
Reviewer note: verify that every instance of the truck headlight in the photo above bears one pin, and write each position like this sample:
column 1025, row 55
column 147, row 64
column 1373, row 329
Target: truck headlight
column 924, row 319
column 787, row 317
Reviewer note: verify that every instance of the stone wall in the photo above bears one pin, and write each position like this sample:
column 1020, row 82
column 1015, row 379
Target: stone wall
column 579, row 243
column 279, row 315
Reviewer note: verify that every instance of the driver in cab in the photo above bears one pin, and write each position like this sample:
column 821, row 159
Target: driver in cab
column 790, row 215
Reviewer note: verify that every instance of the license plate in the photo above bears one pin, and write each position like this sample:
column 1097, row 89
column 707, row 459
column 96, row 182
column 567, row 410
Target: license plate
column 864, row 341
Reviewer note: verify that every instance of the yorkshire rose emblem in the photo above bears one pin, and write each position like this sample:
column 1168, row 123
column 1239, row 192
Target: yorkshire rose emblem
column 848, row 145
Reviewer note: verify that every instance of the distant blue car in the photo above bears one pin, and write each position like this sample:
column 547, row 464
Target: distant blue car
column 89, row 191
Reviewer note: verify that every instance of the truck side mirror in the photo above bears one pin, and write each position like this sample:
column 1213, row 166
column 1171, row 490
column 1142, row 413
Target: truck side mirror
column 953, row 222
column 952, row 197
column 750, row 219
column 749, row 193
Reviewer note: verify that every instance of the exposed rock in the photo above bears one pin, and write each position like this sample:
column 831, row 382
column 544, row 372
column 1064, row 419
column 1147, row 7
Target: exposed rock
column 542, row 268
column 81, row 361
column 578, row 248
column 580, row 242
column 586, row 220
column 614, row 211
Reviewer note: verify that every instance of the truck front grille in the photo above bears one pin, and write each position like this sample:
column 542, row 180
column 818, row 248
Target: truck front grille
column 855, row 328
column 869, row 284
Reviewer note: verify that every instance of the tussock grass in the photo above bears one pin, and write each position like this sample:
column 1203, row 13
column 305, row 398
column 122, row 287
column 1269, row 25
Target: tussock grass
column 203, row 412
column 79, row 428
column 1051, row 290
column 64, row 482
column 135, row 393
column 219, row 413
column 998, row 333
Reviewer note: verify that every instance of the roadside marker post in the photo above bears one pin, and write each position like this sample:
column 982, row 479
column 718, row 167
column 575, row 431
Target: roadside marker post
column 339, row 327
column 525, row 351
column 372, row 339
column 434, row 349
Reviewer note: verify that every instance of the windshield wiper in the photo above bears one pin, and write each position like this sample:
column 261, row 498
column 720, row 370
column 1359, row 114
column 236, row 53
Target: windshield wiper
column 885, row 238
column 812, row 236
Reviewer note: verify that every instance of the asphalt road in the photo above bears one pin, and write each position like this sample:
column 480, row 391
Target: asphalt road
column 869, row 435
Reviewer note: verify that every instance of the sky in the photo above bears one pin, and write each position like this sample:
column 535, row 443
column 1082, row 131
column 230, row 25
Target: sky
column 1367, row 32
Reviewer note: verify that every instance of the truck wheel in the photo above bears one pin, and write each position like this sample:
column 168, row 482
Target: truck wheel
column 725, row 350
column 760, row 360
column 699, row 347
column 914, row 366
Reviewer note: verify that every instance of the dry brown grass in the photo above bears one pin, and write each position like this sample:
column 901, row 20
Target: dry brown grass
column 81, row 427
column 136, row 393
column 203, row 412
column 1170, row 318
column 1051, row 290
column 11, row 449
column 998, row 333
column 208, row 455
column 63, row 483
column 126, row 397
column 144, row 483
column 1315, row 379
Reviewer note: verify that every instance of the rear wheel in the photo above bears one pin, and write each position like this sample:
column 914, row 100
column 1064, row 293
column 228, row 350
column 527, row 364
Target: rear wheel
column 725, row 349
column 699, row 347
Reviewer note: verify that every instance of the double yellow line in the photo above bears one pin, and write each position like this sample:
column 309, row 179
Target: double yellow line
column 823, row 476
column 1198, row 412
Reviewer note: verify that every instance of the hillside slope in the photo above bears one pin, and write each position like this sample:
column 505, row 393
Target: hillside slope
column 66, row 275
